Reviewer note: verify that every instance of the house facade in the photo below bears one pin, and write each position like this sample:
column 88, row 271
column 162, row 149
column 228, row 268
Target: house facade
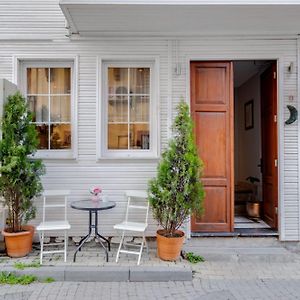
column 104, row 78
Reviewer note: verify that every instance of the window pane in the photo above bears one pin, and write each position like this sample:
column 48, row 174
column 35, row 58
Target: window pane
column 139, row 109
column 118, row 109
column 139, row 80
column 60, row 136
column 117, row 136
column 38, row 105
column 60, row 80
column 139, row 136
column 43, row 132
column 37, row 81
column 117, row 80
column 60, row 109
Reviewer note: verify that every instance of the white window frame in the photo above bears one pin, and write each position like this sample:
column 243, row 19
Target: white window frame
column 102, row 109
column 21, row 64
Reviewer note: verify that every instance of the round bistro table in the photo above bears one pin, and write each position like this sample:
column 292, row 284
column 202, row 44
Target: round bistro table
column 93, row 206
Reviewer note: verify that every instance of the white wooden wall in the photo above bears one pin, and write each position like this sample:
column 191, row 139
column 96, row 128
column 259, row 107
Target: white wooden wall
column 37, row 28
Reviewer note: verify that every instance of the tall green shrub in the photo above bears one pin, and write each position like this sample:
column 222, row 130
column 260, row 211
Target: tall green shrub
column 20, row 173
column 177, row 191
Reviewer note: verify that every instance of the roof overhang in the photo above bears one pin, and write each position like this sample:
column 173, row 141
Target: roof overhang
column 100, row 18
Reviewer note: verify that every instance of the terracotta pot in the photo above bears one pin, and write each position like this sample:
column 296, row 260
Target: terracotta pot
column 19, row 244
column 168, row 248
column 253, row 209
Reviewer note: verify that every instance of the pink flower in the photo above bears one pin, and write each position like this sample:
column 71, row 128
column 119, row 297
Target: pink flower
column 97, row 190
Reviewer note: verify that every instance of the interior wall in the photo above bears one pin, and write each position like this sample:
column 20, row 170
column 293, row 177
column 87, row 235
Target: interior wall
column 247, row 142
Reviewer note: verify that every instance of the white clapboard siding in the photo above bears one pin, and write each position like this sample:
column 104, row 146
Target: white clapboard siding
column 36, row 27
column 113, row 176
column 32, row 19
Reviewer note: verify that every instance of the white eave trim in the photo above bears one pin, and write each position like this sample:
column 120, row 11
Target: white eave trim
column 182, row 2
column 116, row 18
column 69, row 20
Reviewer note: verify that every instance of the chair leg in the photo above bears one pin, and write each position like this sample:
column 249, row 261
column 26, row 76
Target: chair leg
column 120, row 246
column 66, row 246
column 42, row 246
column 146, row 244
column 141, row 250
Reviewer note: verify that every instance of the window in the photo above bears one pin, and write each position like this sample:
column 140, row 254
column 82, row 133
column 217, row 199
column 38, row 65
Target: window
column 128, row 110
column 49, row 98
column 49, row 91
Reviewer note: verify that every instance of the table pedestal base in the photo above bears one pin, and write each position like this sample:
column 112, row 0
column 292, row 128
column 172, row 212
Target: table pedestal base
column 93, row 225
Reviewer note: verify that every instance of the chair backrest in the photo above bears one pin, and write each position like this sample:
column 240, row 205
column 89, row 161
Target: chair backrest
column 137, row 195
column 3, row 214
column 48, row 194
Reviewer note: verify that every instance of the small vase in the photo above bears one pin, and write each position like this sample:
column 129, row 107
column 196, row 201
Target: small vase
column 95, row 198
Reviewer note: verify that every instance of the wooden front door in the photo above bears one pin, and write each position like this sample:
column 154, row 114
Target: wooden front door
column 269, row 145
column 212, row 112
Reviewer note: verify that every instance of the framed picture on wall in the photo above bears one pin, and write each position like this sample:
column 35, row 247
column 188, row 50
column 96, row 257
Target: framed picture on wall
column 248, row 114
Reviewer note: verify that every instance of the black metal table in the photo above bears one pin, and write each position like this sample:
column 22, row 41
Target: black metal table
column 93, row 207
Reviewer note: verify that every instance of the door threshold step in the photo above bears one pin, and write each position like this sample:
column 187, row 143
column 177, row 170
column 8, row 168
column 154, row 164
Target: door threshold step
column 238, row 233
column 214, row 234
column 259, row 232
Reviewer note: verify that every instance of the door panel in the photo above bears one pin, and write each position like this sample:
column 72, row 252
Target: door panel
column 213, row 218
column 211, row 124
column 212, row 112
column 269, row 145
column 211, row 85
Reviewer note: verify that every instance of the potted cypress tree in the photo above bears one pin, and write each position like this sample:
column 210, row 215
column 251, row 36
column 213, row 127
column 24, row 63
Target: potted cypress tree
column 20, row 174
column 177, row 191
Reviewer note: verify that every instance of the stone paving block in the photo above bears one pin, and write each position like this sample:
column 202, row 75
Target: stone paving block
column 16, row 296
column 97, row 274
column 57, row 273
column 145, row 273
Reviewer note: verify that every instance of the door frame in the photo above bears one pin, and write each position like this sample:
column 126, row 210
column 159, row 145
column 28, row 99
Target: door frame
column 280, row 119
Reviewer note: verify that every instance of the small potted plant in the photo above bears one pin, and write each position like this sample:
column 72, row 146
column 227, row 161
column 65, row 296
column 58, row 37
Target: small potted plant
column 20, row 174
column 177, row 191
column 253, row 204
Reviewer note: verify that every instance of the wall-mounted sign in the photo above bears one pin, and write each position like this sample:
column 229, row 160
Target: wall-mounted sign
column 293, row 115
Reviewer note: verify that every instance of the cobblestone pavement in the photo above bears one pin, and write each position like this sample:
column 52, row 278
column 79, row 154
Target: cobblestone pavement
column 238, row 269
column 217, row 280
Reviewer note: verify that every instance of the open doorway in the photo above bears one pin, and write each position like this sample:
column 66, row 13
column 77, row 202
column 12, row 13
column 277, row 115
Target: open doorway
column 255, row 144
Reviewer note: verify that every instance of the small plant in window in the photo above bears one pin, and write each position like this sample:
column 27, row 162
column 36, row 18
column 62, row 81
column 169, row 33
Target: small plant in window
column 55, row 141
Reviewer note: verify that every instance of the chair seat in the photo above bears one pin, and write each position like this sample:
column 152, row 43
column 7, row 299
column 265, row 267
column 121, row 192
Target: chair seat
column 53, row 225
column 131, row 226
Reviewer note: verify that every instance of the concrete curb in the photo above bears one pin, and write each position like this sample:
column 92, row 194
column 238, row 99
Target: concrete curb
column 107, row 273
column 143, row 274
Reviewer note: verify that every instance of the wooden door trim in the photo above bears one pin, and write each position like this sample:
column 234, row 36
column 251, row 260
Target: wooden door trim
column 273, row 68
column 232, row 150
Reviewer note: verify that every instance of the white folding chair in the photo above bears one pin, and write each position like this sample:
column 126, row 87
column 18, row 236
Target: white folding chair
column 54, row 225
column 129, row 226
column 3, row 213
